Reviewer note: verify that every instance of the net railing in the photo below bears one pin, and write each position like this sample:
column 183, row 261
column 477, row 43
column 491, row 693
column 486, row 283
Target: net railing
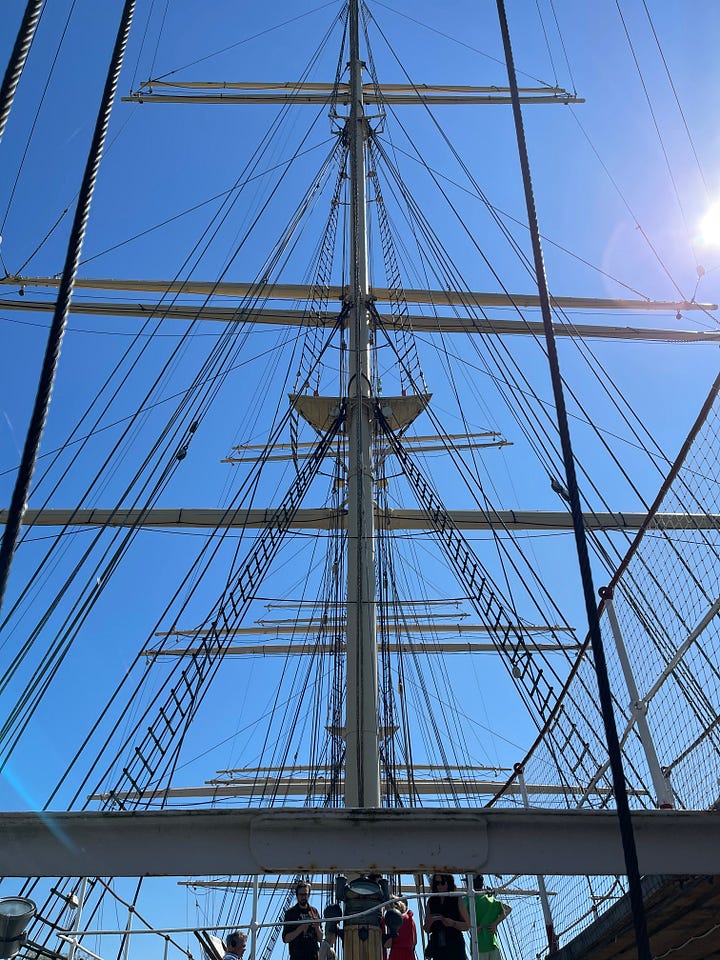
column 666, row 599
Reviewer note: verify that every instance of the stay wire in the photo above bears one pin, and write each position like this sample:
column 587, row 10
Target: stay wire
column 618, row 463
column 675, row 94
column 18, row 57
column 446, row 351
column 521, row 255
column 547, row 42
column 611, row 564
column 471, row 482
column 609, row 568
column 594, row 370
column 255, row 36
column 143, row 41
column 435, row 737
column 663, row 266
column 66, row 210
column 406, row 366
column 562, row 44
column 656, row 125
column 407, row 358
column 191, row 328
column 52, row 354
column 607, row 562
column 216, row 386
column 66, row 530
column 494, row 213
column 43, row 240
column 447, row 36
column 249, row 485
column 238, row 185
column 502, row 213
column 452, row 279
column 396, row 443
column 36, row 117
column 159, row 37
column 615, row 755
column 451, row 205
column 140, row 411
column 67, row 631
column 276, row 123
column 197, row 417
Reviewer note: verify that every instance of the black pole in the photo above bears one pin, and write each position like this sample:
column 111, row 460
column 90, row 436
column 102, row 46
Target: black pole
column 17, row 60
column 21, row 491
column 606, row 707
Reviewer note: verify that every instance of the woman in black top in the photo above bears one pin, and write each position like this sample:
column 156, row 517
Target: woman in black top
column 445, row 920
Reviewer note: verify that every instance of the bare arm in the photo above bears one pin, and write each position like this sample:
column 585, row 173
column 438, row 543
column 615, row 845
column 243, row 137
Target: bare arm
column 464, row 922
column 506, row 908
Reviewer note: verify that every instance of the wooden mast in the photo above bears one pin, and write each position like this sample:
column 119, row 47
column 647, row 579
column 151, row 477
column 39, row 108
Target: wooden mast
column 362, row 767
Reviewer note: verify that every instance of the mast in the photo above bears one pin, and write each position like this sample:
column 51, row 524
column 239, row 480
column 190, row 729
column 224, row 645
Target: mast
column 362, row 768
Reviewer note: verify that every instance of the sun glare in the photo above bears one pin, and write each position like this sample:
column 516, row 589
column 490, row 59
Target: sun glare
column 710, row 226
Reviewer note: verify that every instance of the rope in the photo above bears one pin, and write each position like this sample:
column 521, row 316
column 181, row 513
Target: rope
column 17, row 59
column 62, row 307
column 34, row 124
column 616, row 761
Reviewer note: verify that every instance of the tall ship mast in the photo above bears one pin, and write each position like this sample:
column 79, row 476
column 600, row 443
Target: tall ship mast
column 362, row 761
column 290, row 589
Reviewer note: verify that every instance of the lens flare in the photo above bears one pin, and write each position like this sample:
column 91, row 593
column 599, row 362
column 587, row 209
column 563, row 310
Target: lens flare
column 710, row 226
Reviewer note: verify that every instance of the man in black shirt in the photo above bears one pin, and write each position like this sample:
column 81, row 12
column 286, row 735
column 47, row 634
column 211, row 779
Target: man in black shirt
column 302, row 932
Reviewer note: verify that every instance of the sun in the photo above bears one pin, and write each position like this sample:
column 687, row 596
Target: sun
column 709, row 226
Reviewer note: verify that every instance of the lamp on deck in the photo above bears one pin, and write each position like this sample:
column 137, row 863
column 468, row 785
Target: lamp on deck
column 15, row 914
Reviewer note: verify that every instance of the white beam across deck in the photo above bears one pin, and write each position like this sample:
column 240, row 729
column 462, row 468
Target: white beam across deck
column 319, row 887
column 324, row 518
column 303, row 291
column 420, row 323
column 215, row 842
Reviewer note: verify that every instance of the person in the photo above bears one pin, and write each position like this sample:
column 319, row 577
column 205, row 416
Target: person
column 327, row 946
column 489, row 912
column 402, row 945
column 446, row 920
column 235, row 945
column 302, row 931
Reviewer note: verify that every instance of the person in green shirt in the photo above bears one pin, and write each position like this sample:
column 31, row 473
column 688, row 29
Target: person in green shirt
column 489, row 912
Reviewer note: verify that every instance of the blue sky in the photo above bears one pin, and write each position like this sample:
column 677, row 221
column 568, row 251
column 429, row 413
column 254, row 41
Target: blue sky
column 165, row 159
column 180, row 149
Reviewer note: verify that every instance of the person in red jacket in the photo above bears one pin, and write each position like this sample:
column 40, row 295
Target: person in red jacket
column 401, row 946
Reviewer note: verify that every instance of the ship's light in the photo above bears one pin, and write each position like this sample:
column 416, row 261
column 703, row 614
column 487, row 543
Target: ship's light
column 15, row 914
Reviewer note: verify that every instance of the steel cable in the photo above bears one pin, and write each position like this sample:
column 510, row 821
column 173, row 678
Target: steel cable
column 21, row 490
